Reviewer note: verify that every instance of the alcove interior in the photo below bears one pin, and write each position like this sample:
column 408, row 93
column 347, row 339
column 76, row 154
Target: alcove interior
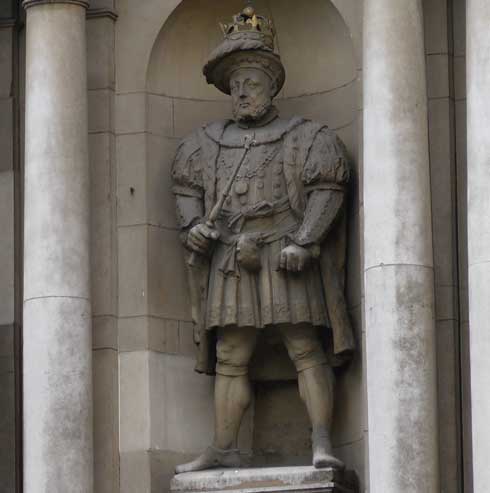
column 316, row 48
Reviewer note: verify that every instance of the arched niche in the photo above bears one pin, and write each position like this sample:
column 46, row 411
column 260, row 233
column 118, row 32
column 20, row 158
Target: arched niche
column 314, row 43
column 317, row 51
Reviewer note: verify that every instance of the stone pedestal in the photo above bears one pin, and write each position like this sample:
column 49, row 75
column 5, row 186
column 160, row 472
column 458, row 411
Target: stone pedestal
column 270, row 480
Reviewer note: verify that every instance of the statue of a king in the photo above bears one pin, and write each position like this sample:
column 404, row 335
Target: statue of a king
column 261, row 206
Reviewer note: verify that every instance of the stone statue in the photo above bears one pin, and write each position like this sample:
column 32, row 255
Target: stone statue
column 261, row 206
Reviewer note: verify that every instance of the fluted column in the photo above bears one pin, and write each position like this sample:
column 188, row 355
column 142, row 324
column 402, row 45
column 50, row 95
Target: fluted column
column 57, row 366
column 478, row 87
column 398, row 257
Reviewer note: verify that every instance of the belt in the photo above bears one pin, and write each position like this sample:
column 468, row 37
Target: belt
column 234, row 222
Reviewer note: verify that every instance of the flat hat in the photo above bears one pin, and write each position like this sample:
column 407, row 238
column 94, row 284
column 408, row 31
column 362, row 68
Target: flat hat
column 248, row 43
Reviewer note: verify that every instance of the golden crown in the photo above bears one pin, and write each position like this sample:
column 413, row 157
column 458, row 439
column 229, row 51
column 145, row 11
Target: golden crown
column 248, row 24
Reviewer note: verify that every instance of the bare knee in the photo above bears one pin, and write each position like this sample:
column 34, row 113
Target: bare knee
column 304, row 346
column 234, row 349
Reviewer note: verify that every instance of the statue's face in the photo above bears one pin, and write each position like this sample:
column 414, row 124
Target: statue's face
column 251, row 94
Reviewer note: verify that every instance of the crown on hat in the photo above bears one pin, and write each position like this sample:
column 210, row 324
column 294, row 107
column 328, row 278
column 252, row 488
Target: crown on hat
column 248, row 42
column 248, row 24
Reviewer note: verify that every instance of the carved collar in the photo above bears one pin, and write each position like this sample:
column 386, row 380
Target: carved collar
column 269, row 117
column 234, row 137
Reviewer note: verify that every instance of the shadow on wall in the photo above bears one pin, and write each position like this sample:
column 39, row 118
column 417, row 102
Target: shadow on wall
column 316, row 49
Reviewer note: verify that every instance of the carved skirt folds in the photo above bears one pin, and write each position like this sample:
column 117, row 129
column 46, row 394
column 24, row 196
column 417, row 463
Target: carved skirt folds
column 266, row 297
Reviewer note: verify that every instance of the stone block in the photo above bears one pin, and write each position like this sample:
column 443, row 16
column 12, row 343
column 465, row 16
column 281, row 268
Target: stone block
column 178, row 53
column 354, row 252
column 57, row 390
column 135, row 433
column 187, row 346
column 133, row 271
column 106, row 421
column 104, row 330
column 446, row 302
column 315, row 45
column 149, row 333
column 160, row 114
column 131, row 179
column 443, row 189
column 100, row 110
column 7, row 245
column 436, row 28
column 160, row 199
column 102, row 4
column 168, row 295
column 349, row 405
column 162, row 467
column 6, row 54
column 350, row 137
column 130, row 113
column 103, row 205
column 352, row 16
column 7, row 9
column 7, row 343
column 7, row 433
column 354, row 456
column 137, row 28
column 182, row 404
column 100, row 53
column 459, row 77
column 261, row 480
column 438, row 76
column 6, row 134
column 281, row 433
column 135, row 474
column 448, row 405
column 164, row 335
column 336, row 108
column 400, row 346
column 190, row 114
column 133, row 333
column 459, row 27
column 270, row 361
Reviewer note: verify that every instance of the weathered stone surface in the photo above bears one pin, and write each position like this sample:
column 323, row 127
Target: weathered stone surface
column 398, row 254
column 272, row 480
column 478, row 81
column 7, row 275
column 57, row 385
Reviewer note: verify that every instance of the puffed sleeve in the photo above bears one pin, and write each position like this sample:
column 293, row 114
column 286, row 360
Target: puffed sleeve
column 187, row 169
column 326, row 166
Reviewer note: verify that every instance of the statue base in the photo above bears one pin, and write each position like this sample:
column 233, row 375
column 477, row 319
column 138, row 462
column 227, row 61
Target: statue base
column 265, row 480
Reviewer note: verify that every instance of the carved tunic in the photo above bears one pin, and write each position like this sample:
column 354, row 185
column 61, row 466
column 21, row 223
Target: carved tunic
column 291, row 159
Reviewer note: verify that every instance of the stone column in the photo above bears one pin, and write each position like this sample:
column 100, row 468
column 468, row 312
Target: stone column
column 478, row 84
column 398, row 257
column 57, row 365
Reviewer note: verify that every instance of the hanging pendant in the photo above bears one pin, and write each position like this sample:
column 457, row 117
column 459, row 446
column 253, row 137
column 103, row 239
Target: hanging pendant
column 241, row 187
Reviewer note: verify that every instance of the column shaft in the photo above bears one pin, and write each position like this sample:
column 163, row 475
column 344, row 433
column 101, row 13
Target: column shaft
column 478, row 85
column 398, row 256
column 57, row 365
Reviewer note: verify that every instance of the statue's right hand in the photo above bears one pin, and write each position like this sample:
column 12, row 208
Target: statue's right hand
column 201, row 237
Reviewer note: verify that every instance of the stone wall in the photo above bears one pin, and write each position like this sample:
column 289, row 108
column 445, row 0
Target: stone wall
column 102, row 156
column 10, row 248
column 322, row 65
column 145, row 93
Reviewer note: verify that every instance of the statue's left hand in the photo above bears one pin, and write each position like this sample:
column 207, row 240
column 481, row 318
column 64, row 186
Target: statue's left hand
column 294, row 258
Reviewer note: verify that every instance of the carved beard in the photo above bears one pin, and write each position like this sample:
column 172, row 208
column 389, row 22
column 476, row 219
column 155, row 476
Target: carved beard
column 252, row 113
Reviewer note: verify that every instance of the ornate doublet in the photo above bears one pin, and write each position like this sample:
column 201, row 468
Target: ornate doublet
column 289, row 161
